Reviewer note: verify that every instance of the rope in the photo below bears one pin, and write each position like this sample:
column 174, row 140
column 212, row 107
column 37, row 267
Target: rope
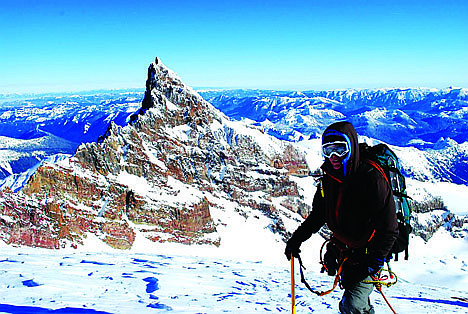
column 383, row 280
column 388, row 303
column 321, row 293
column 378, row 285
column 380, row 281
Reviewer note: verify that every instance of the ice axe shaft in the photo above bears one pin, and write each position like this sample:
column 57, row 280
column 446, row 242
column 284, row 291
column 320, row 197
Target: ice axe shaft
column 293, row 296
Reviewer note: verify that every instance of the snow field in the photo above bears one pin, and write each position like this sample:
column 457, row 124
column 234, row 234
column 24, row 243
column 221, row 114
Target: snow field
column 41, row 281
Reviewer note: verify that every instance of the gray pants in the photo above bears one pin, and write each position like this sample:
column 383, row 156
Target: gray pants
column 356, row 299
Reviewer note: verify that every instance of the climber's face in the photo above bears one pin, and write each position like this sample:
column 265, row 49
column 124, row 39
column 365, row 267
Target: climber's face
column 336, row 162
column 336, row 152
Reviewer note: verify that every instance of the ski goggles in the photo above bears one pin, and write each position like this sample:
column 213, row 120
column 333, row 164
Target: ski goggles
column 337, row 148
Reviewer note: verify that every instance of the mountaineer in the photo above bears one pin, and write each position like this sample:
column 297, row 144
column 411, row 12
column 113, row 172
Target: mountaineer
column 356, row 202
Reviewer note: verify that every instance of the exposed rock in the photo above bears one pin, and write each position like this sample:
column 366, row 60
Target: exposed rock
column 159, row 176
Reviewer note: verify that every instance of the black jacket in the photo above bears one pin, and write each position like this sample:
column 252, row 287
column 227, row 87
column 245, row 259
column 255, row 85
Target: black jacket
column 358, row 208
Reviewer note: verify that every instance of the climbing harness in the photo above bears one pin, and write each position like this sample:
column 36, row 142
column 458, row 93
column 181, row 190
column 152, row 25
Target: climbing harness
column 385, row 277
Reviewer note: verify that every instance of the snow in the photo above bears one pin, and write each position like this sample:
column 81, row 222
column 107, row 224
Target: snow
column 171, row 106
column 313, row 152
column 268, row 145
column 199, row 279
column 442, row 262
column 138, row 184
column 454, row 196
column 374, row 115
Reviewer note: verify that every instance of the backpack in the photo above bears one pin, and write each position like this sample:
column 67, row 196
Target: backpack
column 382, row 156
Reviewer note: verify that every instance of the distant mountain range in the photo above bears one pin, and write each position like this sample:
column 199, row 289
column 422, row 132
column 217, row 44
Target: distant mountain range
column 32, row 128
column 403, row 117
column 431, row 120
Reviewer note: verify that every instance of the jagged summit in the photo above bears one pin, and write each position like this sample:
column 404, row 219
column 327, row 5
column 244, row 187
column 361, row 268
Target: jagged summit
column 180, row 171
column 162, row 81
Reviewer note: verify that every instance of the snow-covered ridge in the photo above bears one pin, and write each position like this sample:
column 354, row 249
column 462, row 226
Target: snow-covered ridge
column 396, row 116
column 431, row 120
column 32, row 128
column 16, row 181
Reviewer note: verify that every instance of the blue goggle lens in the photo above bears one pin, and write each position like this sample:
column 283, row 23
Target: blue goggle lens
column 339, row 149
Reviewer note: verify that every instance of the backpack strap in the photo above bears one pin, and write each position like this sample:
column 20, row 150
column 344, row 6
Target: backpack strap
column 321, row 188
column 378, row 167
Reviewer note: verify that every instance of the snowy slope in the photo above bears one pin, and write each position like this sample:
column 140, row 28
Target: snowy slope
column 19, row 155
column 181, row 279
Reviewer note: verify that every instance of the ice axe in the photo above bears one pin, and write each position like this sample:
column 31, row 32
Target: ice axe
column 293, row 297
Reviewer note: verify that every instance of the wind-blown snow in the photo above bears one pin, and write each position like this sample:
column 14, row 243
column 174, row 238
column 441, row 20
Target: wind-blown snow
column 198, row 279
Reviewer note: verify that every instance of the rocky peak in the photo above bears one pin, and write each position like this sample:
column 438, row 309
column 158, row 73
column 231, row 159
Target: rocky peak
column 163, row 176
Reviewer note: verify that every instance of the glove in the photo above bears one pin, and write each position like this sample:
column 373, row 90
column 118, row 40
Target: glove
column 292, row 247
column 356, row 271
column 374, row 265
column 330, row 260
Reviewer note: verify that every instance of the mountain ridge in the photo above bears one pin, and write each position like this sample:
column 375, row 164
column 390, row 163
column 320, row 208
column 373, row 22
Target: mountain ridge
column 423, row 106
column 428, row 119
column 174, row 173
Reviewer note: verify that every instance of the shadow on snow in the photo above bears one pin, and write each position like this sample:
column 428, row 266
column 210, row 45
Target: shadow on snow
column 448, row 302
column 22, row 309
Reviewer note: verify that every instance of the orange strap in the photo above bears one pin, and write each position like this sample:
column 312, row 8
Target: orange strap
column 335, row 282
column 377, row 166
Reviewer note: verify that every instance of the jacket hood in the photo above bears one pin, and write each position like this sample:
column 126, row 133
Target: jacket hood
column 343, row 131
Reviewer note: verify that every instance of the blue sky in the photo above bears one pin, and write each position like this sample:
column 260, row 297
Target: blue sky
column 83, row 45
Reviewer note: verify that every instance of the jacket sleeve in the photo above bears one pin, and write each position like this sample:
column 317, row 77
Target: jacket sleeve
column 386, row 225
column 314, row 221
